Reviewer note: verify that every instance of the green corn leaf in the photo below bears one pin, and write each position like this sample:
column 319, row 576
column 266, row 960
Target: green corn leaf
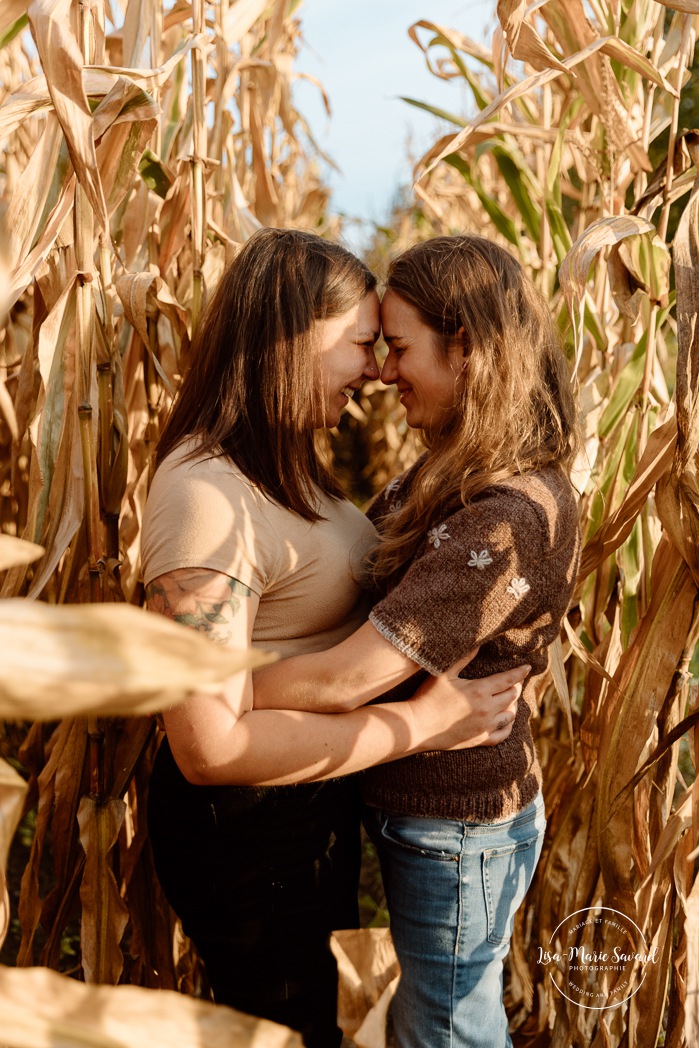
column 625, row 389
column 14, row 30
column 442, row 114
column 154, row 173
column 560, row 234
column 502, row 222
column 518, row 179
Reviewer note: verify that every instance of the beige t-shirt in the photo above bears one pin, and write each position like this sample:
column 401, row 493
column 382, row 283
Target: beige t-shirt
column 204, row 513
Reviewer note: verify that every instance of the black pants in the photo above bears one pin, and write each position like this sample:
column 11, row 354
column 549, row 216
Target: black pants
column 259, row 877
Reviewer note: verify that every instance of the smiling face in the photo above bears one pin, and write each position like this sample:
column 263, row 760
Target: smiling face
column 425, row 378
column 344, row 357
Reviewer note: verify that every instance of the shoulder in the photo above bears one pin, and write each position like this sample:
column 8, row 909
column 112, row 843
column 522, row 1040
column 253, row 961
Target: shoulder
column 543, row 497
column 202, row 513
column 539, row 510
column 187, row 475
column 546, row 498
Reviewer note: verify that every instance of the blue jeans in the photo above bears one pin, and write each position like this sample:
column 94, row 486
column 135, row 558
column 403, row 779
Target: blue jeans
column 452, row 890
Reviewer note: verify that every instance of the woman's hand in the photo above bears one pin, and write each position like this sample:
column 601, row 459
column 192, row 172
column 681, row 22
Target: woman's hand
column 461, row 713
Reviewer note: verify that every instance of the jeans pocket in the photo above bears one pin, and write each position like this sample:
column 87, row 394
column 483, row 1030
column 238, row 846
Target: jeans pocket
column 507, row 874
column 438, row 839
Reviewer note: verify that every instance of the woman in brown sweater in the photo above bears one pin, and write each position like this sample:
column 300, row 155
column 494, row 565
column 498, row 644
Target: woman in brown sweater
column 479, row 549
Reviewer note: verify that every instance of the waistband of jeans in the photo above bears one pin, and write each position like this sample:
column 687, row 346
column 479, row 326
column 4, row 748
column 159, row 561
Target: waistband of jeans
column 168, row 779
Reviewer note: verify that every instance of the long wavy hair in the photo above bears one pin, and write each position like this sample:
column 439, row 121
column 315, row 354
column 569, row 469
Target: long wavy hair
column 249, row 392
column 514, row 410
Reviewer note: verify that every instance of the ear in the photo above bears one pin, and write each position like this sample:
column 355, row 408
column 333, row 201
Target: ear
column 461, row 337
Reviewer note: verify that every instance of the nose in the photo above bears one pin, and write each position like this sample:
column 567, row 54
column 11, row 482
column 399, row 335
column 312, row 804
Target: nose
column 389, row 371
column 371, row 368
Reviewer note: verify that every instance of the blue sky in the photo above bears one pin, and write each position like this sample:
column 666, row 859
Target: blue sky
column 362, row 54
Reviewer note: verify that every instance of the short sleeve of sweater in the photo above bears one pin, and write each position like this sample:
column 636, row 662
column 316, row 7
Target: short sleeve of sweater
column 201, row 513
column 474, row 578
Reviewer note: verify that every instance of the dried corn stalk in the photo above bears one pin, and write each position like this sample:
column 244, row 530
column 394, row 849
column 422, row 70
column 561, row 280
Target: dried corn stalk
column 578, row 162
column 141, row 141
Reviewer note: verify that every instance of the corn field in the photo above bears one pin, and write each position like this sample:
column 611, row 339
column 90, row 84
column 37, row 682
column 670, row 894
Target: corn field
column 141, row 143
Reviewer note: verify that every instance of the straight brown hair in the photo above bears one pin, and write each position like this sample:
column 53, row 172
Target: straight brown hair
column 249, row 392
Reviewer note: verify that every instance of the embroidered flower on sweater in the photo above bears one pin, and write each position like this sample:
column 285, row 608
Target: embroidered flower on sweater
column 480, row 560
column 436, row 536
column 394, row 485
column 518, row 587
column 393, row 506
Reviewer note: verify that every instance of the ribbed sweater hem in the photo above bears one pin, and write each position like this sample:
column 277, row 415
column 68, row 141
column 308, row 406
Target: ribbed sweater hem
column 401, row 799
column 482, row 784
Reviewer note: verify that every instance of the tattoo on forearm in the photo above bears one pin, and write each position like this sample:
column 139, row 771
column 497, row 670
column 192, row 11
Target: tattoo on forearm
column 181, row 596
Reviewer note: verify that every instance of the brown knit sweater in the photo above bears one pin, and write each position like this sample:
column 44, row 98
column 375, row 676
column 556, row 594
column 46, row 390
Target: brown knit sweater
column 496, row 575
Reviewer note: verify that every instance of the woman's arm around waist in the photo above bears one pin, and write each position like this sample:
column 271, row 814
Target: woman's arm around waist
column 217, row 739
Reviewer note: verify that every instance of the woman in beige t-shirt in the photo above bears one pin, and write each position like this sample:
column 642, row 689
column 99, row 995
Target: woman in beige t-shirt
column 248, row 539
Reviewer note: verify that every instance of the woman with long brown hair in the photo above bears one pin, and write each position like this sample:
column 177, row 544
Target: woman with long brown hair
column 247, row 538
column 478, row 549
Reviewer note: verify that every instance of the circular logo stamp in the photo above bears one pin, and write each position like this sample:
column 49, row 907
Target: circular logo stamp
column 597, row 958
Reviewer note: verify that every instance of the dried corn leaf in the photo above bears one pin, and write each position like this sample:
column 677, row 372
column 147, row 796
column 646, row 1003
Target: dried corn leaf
column 650, row 999
column 241, row 17
column 35, row 95
column 28, row 201
column 690, row 7
column 99, row 79
column 661, row 749
column 603, row 233
column 7, row 410
column 58, row 469
column 678, row 495
column 686, row 264
column 68, row 782
column 453, row 39
column 524, row 87
column 41, row 1009
column 368, row 975
column 14, row 552
column 645, row 673
column 455, row 143
column 575, row 268
column 64, row 753
column 132, row 120
column 27, row 99
column 144, row 295
column 29, row 266
column 605, row 94
column 63, row 64
column 654, row 464
column 622, row 52
column 103, row 659
column 372, row 1032
column 104, row 913
column 523, row 41
column 558, row 673
column 692, row 932
column 679, row 822
column 138, row 24
column 587, row 657
column 11, row 11
column 12, row 792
